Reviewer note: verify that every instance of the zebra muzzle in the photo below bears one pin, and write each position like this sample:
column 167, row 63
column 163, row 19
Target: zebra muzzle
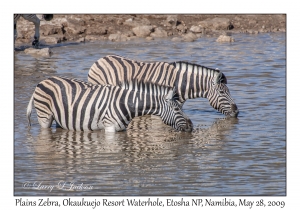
column 188, row 126
column 234, row 110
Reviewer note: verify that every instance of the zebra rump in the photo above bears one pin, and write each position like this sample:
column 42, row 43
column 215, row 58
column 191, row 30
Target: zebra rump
column 78, row 105
column 189, row 80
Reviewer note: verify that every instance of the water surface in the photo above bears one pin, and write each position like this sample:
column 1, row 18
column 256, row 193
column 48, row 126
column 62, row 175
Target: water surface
column 244, row 156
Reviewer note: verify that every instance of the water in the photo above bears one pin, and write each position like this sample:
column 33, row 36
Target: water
column 244, row 156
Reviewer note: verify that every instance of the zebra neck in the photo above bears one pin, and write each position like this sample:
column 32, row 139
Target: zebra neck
column 149, row 106
column 193, row 80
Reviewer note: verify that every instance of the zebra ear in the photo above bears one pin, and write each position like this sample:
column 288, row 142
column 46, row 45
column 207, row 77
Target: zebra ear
column 169, row 95
column 220, row 78
column 172, row 95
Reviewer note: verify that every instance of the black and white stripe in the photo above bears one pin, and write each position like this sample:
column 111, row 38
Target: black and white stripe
column 189, row 80
column 77, row 105
column 32, row 18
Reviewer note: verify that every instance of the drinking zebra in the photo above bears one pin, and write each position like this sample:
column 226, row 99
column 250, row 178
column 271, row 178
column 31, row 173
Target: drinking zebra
column 77, row 105
column 36, row 21
column 189, row 80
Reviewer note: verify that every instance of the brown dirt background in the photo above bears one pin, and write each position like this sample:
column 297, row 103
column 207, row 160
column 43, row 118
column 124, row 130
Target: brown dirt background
column 120, row 27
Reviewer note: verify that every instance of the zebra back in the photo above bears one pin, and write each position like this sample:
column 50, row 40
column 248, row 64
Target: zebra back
column 116, row 70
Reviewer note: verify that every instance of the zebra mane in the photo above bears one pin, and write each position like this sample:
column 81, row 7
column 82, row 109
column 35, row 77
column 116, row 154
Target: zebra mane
column 184, row 65
column 119, row 56
column 116, row 56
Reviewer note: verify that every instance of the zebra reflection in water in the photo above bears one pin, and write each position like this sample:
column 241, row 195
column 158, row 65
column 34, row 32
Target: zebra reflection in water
column 96, row 155
column 147, row 133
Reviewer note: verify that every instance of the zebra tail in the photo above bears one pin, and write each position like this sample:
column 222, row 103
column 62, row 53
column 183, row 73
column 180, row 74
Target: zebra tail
column 29, row 108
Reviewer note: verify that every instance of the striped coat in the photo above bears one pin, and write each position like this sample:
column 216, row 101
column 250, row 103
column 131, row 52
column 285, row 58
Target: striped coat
column 77, row 105
column 189, row 80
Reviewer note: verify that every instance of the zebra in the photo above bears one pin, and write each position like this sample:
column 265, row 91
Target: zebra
column 32, row 18
column 189, row 80
column 78, row 105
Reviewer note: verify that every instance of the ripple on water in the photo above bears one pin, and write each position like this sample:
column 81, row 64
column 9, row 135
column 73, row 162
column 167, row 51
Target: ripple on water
column 220, row 157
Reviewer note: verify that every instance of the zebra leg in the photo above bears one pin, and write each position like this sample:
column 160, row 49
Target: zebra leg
column 113, row 126
column 36, row 22
column 108, row 124
column 45, row 116
column 45, row 120
column 15, row 32
column 36, row 42
column 16, row 18
column 29, row 108
column 110, row 129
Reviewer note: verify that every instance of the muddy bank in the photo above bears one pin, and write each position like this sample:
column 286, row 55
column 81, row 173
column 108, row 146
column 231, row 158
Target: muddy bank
column 183, row 27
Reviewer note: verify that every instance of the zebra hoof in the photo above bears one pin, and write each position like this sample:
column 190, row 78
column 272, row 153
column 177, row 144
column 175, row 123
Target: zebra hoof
column 48, row 17
column 35, row 43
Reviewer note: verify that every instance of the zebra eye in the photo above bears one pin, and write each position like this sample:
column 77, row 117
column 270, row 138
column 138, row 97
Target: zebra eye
column 176, row 109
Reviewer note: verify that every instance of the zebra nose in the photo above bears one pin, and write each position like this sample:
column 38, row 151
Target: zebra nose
column 234, row 110
column 233, row 107
column 189, row 126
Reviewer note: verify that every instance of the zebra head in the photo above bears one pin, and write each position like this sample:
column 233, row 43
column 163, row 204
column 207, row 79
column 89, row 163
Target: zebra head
column 173, row 114
column 220, row 98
